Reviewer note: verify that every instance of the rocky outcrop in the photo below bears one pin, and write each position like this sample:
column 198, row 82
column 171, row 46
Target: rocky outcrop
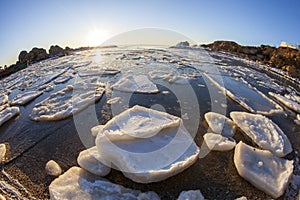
column 56, row 50
column 36, row 54
column 284, row 58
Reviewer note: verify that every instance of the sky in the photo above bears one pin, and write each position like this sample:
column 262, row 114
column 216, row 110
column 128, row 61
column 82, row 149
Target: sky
column 25, row 24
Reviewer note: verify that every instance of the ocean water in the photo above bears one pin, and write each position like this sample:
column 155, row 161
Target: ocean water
column 184, row 80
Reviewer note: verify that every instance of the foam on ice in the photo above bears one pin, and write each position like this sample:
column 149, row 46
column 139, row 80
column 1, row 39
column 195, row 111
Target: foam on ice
column 220, row 124
column 25, row 98
column 90, row 160
column 262, row 169
column 78, row 184
column 264, row 132
column 217, row 142
column 139, row 83
column 146, row 145
column 8, row 113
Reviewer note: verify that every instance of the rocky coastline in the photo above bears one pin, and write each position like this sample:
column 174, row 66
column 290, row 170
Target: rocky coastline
column 284, row 58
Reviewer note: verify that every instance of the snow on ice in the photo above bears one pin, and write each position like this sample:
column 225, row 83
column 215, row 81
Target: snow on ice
column 8, row 113
column 262, row 169
column 25, row 98
column 220, row 124
column 218, row 142
column 264, row 132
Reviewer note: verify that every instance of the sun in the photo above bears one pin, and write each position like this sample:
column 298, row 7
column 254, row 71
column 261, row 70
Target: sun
column 96, row 37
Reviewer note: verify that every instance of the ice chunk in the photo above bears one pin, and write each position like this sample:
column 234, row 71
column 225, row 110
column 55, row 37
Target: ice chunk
column 191, row 195
column 76, row 183
column 2, row 152
column 113, row 100
column 297, row 120
column 245, row 94
column 95, row 130
column 102, row 72
column 241, row 198
column 220, row 124
column 287, row 102
column 2, row 107
column 264, row 132
column 23, row 99
column 3, row 99
column 138, row 122
column 52, row 168
column 262, row 169
column 62, row 79
column 89, row 160
column 218, row 142
column 8, row 113
column 65, row 103
column 146, row 145
column 139, row 83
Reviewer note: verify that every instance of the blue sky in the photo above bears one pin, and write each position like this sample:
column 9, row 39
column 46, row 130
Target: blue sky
column 38, row 23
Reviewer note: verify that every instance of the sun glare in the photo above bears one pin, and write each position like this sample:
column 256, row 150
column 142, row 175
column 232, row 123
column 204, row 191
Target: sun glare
column 97, row 37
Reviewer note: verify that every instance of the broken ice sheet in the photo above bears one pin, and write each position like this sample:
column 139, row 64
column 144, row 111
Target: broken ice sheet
column 262, row 169
column 245, row 94
column 24, row 98
column 286, row 101
column 8, row 113
column 139, row 83
column 218, row 142
column 78, row 184
column 66, row 102
column 220, row 124
column 264, row 132
column 146, row 145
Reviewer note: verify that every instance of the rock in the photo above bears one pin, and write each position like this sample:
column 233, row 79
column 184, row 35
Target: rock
column 217, row 142
column 52, row 168
column 220, row 124
column 183, row 44
column 36, row 54
column 89, row 160
column 76, row 183
column 146, row 145
column 23, row 57
column 2, row 152
column 191, row 195
column 56, row 50
column 264, row 132
column 262, row 169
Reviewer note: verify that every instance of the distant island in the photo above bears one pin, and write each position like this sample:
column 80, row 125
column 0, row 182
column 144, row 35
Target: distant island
column 284, row 58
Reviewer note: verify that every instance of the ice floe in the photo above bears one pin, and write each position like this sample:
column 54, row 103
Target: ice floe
column 146, row 145
column 2, row 152
column 95, row 130
column 3, row 99
column 8, row 113
column 62, row 79
column 90, row 160
column 25, row 98
column 286, row 101
column 191, row 195
column 139, row 83
column 262, row 169
column 220, row 124
column 217, row 142
column 52, row 168
column 65, row 103
column 102, row 72
column 245, row 94
column 76, row 183
column 264, row 132
column 113, row 100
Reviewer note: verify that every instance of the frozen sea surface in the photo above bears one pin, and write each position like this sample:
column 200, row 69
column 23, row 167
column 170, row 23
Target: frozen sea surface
column 187, row 84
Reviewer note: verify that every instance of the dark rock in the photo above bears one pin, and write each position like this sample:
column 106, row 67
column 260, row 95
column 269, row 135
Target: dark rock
column 183, row 44
column 56, row 50
column 36, row 54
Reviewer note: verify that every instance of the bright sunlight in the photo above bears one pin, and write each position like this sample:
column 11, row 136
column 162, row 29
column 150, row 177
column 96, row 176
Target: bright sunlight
column 97, row 37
